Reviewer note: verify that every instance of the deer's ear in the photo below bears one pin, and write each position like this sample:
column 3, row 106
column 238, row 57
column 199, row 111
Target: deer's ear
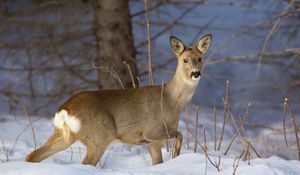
column 204, row 43
column 176, row 45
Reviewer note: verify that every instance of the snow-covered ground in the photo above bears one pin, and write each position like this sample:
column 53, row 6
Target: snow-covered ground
column 17, row 141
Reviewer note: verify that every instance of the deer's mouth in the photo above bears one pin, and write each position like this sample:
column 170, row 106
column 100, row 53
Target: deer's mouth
column 196, row 75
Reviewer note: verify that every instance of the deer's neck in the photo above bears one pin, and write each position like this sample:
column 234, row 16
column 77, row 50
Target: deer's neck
column 181, row 89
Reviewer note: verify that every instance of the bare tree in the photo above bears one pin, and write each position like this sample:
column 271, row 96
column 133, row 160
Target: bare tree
column 114, row 43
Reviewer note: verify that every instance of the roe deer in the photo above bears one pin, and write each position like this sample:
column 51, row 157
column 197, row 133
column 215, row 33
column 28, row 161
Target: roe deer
column 146, row 115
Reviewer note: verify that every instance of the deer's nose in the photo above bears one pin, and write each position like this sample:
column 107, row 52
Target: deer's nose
column 195, row 74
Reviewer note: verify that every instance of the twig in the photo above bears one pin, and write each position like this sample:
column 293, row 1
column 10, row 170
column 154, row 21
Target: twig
column 149, row 44
column 149, row 9
column 172, row 24
column 241, row 33
column 252, row 58
column 269, row 36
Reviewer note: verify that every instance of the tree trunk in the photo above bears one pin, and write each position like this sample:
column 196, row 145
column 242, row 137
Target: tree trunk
column 114, row 44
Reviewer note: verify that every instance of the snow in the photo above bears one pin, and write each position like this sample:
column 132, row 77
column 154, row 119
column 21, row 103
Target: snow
column 17, row 142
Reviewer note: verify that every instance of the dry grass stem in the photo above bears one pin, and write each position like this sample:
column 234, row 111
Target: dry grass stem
column 138, row 80
column 169, row 147
column 232, row 140
column 218, row 163
column 71, row 149
column 215, row 129
column 241, row 127
column 205, row 141
column 243, row 119
column 20, row 134
column 161, row 109
column 111, row 71
column 226, row 106
column 187, row 128
column 5, row 151
column 289, row 108
column 235, row 165
column 196, row 128
column 104, row 161
column 151, row 82
column 79, row 150
column 242, row 153
column 256, row 153
column 247, row 149
column 283, row 121
column 29, row 120
column 244, row 139
column 204, row 152
column 205, row 165
column 162, row 96
column 130, row 73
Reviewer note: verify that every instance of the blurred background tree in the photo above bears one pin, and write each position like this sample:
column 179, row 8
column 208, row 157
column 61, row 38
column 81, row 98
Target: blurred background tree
column 49, row 50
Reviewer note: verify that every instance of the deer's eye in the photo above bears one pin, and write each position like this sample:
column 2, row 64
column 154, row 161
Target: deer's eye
column 185, row 60
column 199, row 59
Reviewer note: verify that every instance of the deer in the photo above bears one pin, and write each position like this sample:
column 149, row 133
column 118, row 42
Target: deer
column 142, row 116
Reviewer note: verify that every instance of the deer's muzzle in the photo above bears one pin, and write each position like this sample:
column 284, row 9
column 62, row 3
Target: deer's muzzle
column 195, row 75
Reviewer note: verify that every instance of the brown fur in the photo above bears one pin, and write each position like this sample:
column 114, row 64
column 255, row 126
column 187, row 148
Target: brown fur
column 133, row 116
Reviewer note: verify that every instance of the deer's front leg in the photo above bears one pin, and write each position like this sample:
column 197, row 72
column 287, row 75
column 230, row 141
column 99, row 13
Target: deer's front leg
column 163, row 135
column 176, row 151
column 155, row 152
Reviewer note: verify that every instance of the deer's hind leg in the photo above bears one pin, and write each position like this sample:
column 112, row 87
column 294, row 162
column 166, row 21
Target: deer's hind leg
column 96, row 144
column 53, row 145
column 93, row 154
column 96, row 140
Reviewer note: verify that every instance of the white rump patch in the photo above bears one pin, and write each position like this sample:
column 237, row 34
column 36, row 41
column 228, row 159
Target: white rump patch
column 63, row 119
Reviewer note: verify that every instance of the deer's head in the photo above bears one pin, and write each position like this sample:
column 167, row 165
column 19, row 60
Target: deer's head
column 190, row 59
